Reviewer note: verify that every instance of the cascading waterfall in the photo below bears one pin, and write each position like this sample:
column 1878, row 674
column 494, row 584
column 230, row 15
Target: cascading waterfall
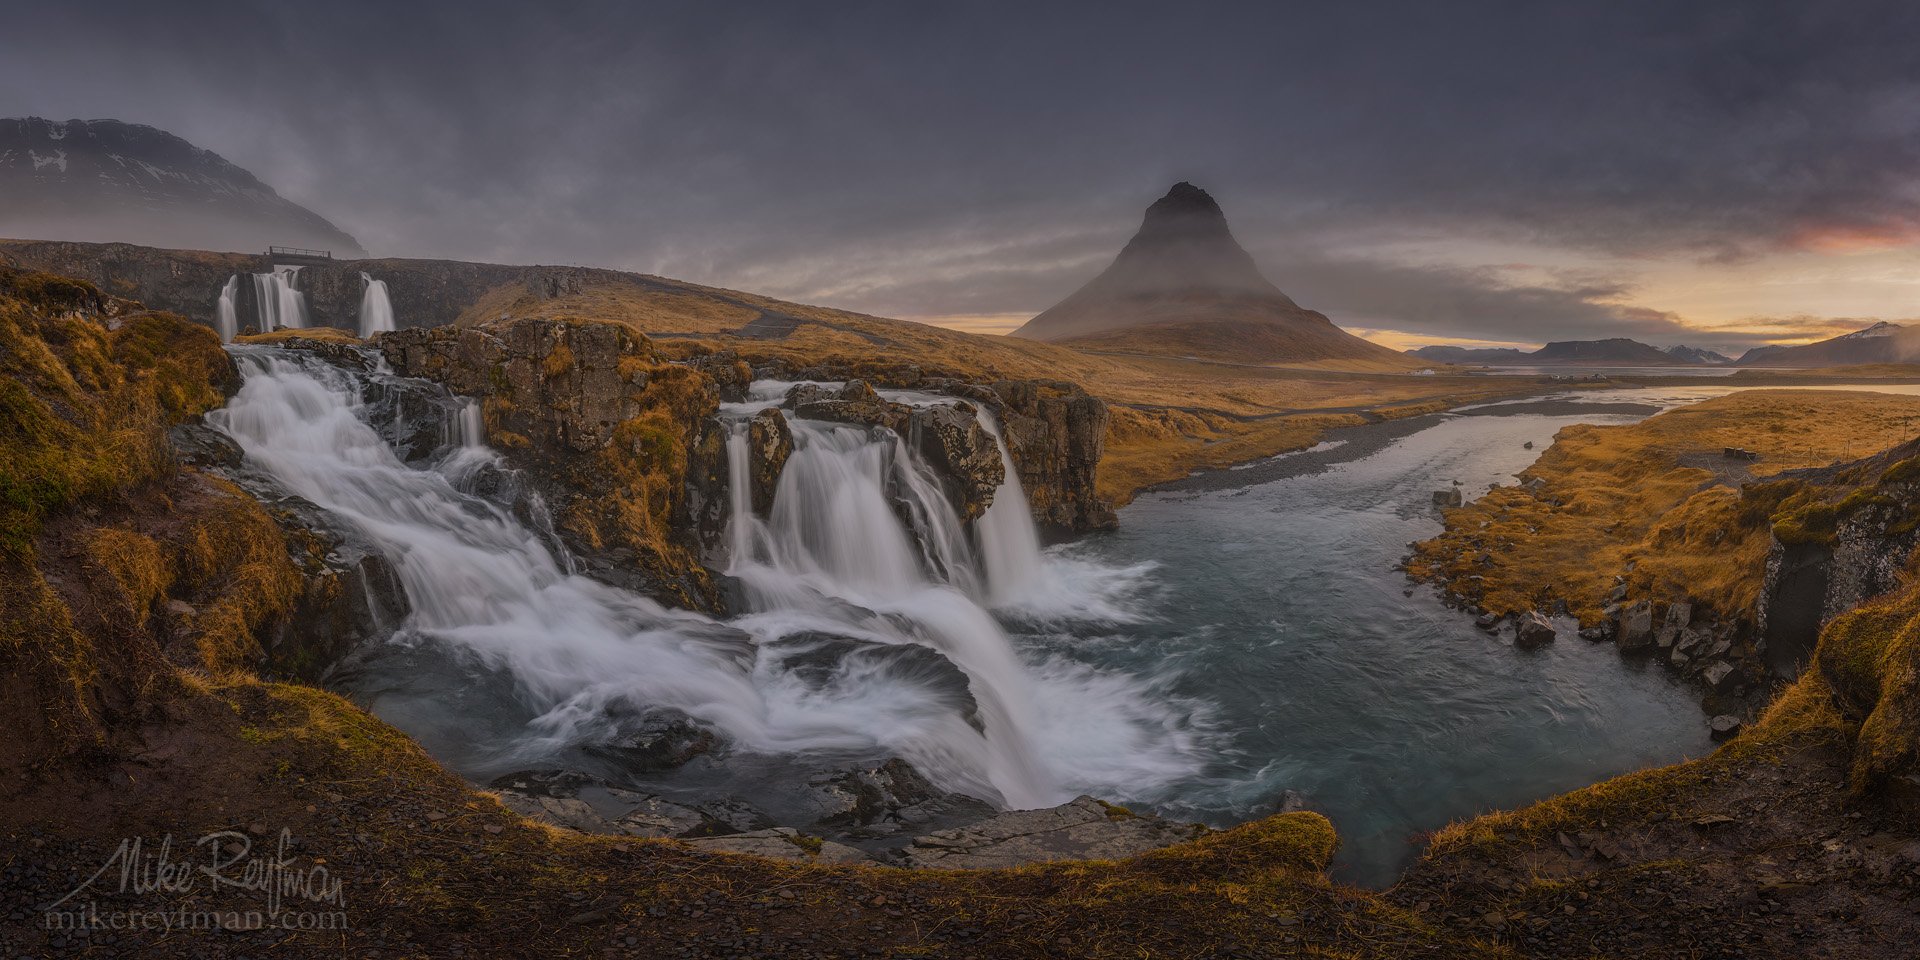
column 376, row 311
column 225, row 319
column 280, row 305
column 866, row 635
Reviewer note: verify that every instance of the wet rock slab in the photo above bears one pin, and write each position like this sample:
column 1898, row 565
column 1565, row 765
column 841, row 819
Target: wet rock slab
column 1082, row 829
column 782, row 843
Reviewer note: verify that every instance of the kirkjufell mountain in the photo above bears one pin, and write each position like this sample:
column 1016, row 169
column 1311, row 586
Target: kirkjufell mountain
column 104, row 180
column 1183, row 286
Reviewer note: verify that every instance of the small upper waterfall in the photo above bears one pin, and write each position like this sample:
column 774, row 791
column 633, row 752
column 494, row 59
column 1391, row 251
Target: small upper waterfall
column 376, row 311
column 280, row 305
column 225, row 319
column 868, row 630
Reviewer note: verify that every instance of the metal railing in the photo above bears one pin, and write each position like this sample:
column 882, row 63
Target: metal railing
column 299, row 252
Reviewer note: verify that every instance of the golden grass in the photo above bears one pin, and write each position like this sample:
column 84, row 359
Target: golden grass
column 323, row 334
column 84, row 410
column 1654, row 502
column 1869, row 659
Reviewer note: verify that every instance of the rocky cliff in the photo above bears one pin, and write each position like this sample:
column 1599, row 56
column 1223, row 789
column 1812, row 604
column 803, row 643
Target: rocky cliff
column 425, row 293
column 612, row 433
column 1847, row 540
column 1055, row 431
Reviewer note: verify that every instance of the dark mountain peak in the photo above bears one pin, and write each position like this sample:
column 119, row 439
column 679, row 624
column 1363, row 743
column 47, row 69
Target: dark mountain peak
column 109, row 180
column 1183, row 253
column 1185, row 201
column 1188, row 215
column 1184, row 285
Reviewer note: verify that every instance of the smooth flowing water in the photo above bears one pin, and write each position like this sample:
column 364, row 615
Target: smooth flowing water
column 376, row 311
column 226, row 321
column 280, row 304
column 1222, row 648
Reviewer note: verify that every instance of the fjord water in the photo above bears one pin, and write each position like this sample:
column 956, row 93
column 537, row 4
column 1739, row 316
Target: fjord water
column 1222, row 647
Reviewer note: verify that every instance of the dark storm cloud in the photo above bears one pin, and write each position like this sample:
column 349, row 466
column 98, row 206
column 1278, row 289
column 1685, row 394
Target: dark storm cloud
column 975, row 158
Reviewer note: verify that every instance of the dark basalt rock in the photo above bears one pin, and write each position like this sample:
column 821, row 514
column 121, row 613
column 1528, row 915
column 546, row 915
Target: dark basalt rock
column 1634, row 631
column 353, row 596
column 1532, row 631
column 966, row 456
column 730, row 373
column 588, row 804
column 656, row 742
column 199, row 445
column 889, row 798
column 822, row 659
column 769, row 444
column 855, row 403
column 1055, row 433
column 1083, row 829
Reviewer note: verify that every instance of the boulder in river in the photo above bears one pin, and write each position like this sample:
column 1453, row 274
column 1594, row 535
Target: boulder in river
column 1532, row 631
column 1449, row 497
column 1635, row 629
column 1724, row 727
column 656, row 742
column 1679, row 616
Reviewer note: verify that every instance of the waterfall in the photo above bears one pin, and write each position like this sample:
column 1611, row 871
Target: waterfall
column 376, row 311
column 225, row 320
column 280, row 305
column 467, row 429
column 867, row 631
column 1009, row 543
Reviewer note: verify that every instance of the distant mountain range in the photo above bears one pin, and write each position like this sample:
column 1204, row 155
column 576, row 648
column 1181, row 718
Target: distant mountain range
column 1617, row 351
column 1881, row 343
column 104, row 180
column 1183, row 286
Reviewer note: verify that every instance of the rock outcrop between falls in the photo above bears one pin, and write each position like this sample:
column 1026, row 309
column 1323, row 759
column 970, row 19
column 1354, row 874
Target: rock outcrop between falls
column 949, row 436
column 609, row 431
column 1054, row 430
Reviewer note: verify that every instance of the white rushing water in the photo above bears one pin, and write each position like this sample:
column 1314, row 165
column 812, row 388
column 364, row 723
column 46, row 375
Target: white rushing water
column 868, row 629
column 280, row 305
column 225, row 319
column 376, row 311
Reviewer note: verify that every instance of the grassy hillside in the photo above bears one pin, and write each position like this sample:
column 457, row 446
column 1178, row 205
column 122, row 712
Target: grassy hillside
column 1656, row 503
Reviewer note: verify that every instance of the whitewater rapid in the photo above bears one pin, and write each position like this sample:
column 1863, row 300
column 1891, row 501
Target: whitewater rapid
column 867, row 630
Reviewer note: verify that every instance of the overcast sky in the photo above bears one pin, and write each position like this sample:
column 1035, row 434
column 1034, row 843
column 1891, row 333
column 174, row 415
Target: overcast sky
column 1713, row 173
